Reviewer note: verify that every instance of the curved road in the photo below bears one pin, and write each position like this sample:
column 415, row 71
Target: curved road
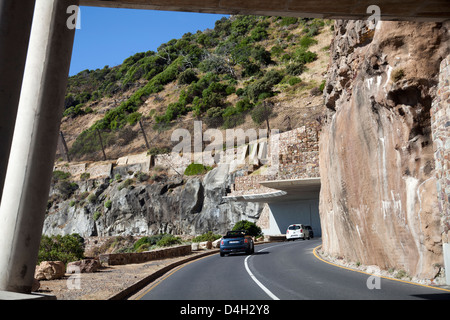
column 284, row 271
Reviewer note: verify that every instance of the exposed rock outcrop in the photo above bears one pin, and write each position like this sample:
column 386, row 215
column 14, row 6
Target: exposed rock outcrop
column 378, row 197
column 176, row 205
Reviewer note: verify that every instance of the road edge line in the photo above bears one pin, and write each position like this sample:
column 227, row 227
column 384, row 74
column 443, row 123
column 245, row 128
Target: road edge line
column 371, row 274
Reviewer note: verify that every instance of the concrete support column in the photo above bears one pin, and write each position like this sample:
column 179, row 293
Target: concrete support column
column 33, row 148
column 15, row 26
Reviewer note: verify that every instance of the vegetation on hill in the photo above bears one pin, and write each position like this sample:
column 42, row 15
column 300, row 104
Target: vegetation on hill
column 221, row 75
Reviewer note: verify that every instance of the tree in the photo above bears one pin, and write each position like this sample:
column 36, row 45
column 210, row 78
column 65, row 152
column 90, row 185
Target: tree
column 262, row 113
column 251, row 228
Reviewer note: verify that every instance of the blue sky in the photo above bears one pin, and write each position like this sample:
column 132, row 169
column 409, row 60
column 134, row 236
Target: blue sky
column 109, row 36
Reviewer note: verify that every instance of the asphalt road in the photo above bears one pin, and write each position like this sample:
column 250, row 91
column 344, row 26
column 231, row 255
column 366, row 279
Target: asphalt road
column 284, row 271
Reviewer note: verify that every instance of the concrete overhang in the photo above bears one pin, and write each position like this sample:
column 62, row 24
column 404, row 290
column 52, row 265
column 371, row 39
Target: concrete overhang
column 411, row 10
column 284, row 191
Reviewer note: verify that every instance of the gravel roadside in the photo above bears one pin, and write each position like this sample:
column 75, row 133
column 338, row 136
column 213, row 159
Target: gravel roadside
column 111, row 282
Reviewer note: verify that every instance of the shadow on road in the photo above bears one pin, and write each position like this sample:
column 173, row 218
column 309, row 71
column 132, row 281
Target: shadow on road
column 433, row 296
column 244, row 254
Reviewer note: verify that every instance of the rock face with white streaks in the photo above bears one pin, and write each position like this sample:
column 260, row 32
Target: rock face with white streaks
column 378, row 197
column 176, row 205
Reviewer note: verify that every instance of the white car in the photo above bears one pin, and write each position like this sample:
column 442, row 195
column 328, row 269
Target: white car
column 297, row 231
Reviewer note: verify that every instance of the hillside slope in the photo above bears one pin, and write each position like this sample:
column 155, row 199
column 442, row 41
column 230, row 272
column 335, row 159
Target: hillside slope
column 221, row 77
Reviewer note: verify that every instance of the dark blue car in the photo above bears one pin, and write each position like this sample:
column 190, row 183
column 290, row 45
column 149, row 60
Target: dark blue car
column 236, row 241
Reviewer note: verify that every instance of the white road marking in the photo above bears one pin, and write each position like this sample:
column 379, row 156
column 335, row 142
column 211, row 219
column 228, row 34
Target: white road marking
column 267, row 291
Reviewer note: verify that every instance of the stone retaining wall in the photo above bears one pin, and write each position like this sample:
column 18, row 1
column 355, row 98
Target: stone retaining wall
column 129, row 258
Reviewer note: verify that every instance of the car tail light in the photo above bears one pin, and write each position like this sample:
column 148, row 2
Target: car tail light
column 287, row 231
column 301, row 230
column 221, row 242
column 246, row 240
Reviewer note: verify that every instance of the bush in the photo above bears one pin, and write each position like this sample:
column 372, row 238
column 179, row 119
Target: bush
column 108, row 204
column 145, row 243
column 127, row 183
column 287, row 21
column 261, row 113
column 141, row 176
column 92, row 198
column 168, row 240
column 304, row 56
column 187, row 77
column 306, row 42
column 209, row 236
column 264, row 85
column 251, row 228
column 97, row 215
column 61, row 248
column 295, row 68
column 85, row 176
column 66, row 188
column 195, row 169
column 60, row 175
column 293, row 81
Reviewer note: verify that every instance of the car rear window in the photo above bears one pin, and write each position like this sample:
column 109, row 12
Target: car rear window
column 294, row 227
column 234, row 234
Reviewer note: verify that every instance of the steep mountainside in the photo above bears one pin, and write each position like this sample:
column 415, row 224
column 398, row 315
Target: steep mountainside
column 221, row 76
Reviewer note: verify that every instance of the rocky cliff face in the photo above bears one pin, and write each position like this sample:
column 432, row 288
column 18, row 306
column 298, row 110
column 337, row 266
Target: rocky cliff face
column 173, row 205
column 378, row 197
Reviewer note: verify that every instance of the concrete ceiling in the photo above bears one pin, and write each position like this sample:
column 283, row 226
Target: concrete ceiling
column 284, row 191
column 414, row 10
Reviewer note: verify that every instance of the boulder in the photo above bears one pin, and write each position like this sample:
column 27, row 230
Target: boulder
column 50, row 270
column 194, row 246
column 36, row 285
column 204, row 245
column 83, row 266
column 216, row 244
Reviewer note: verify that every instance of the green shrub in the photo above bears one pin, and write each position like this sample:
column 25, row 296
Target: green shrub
column 250, row 69
column 276, row 50
column 158, row 150
column 168, row 240
column 66, row 188
column 141, row 176
column 304, row 56
column 60, row 175
column 92, row 198
column 108, row 204
column 261, row 113
column 306, row 42
column 322, row 85
column 295, row 68
column 85, row 176
column 287, row 21
column 97, row 215
column 61, row 248
column 293, row 81
column 196, row 169
column 145, row 243
column 127, row 183
column 264, row 85
column 187, row 77
column 261, row 55
column 250, row 227
column 209, row 236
